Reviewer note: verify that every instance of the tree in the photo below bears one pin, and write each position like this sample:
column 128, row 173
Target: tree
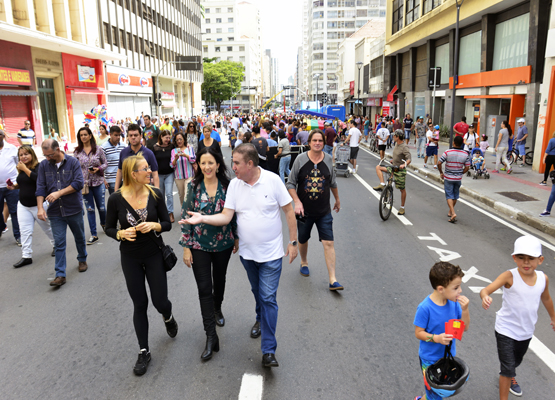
column 222, row 81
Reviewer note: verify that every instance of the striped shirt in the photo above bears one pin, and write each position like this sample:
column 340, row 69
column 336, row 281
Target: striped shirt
column 455, row 161
column 183, row 169
column 112, row 158
column 27, row 136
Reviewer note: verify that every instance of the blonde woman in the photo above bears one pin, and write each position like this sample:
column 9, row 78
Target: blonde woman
column 141, row 212
column 27, row 205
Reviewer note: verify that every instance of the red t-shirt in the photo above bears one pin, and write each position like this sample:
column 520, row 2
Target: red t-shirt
column 461, row 127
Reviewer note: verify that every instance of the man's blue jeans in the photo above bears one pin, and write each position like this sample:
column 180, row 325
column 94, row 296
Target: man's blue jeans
column 166, row 187
column 59, row 227
column 284, row 167
column 328, row 149
column 421, row 146
column 11, row 197
column 551, row 199
column 111, row 187
column 264, row 279
column 96, row 195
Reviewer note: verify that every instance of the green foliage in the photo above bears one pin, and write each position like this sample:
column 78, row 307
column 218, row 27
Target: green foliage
column 222, row 81
column 207, row 60
column 444, row 131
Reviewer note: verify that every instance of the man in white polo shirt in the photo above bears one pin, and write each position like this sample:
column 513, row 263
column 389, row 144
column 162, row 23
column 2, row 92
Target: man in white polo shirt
column 257, row 196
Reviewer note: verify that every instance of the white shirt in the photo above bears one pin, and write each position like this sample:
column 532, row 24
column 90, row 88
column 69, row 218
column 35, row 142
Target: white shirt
column 354, row 137
column 470, row 139
column 383, row 134
column 258, row 215
column 235, row 123
column 429, row 136
column 8, row 161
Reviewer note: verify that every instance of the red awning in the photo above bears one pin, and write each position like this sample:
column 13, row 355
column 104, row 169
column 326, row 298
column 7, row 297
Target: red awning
column 390, row 95
column 83, row 90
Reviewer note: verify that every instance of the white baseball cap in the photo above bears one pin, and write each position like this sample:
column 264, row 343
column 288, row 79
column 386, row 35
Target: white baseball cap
column 528, row 245
column 521, row 120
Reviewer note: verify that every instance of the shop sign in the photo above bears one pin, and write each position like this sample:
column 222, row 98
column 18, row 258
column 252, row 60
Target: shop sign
column 373, row 102
column 352, row 88
column 10, row 76
column 48, row 63
column 86, row 74
column 168, row 95
column 144, row 82
column 124, row 80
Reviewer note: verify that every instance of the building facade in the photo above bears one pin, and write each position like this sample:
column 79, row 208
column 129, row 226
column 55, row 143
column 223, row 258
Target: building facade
column 231, row 31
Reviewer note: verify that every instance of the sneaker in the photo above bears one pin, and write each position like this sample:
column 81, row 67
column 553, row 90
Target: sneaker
column 356, row 169
column 401, row 211
column 502, row 169
column 521, row 166
column 171, row 327
column 336, row 286
column 545, row 214
column 5, row 230
column 543, row 183
column 495, row 171
column 18, row 242
column 417, row 397
column 141, row 365
column 304, row 270
column 92, row 240
column 425, row 165
column 435, row 166
column 379, row 187
column 515, row 388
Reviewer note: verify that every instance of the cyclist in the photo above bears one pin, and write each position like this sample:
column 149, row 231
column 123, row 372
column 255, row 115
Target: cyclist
column 521, row 136
column 400, row 152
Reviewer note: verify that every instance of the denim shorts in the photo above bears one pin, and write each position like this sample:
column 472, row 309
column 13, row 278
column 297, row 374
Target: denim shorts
column 451, row 189
column 407, row 134
column 510, row 352
column 522, row 149
column 323, row 224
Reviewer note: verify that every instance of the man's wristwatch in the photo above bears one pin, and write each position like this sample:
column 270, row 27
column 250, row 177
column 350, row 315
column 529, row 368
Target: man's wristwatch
column 293, row 242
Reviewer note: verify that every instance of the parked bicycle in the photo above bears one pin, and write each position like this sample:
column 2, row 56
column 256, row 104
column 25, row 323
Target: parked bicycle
column 516, row 156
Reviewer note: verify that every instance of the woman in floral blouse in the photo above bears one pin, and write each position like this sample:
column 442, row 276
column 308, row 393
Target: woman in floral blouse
column 207, row 248
column 93, row 163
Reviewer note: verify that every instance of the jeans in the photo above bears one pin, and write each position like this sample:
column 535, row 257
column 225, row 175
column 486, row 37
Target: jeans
column 59, row 227
column 96, row 195
column 27, row 217
column 451, row 189
column 166, row 187
column 111, row 187
column 284, row 167
column 551, row 199
column 12, row 198
column 328, row 149
column 264, row 280
column 420, row 146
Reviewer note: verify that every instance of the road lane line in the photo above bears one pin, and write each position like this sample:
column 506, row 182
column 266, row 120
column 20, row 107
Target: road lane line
column 541, row 350
column 251, row 387
column 374, row 193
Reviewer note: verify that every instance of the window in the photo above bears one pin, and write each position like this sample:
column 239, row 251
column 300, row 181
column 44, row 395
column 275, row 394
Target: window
column 230, row 9
column 242, row 58
column 429, row 5
column 470, row 52
column 106, row 33
column 362, row 13
column 332, row 46
column 218, row 20
column 332, row 3
column 241, row 48
column 332, row 14
column 208, row 30
column 230, row 59
column 207, row 11
column 397, row 15
column 230, row 30
column 230, row 20
column 114, row 36
column 413, row 10
column 122, row 39
column 362, row 3
column 218, row 30
column 230, row 39
column 317, row 3
column 442, row 60
column 205, row 49
column 218, row 10
column 207, row 20
column 332, row 56
column 318, row 46
column 510, row 49
column 331, row 66
column 229, row 48
column 317, row 14
column 219, row 39
column 376, row 67
column 318, row 56
column 217, row 49
column 129, row 42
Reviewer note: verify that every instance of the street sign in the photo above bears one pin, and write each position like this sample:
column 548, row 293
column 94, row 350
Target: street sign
column 434, row 77
column 188, row 63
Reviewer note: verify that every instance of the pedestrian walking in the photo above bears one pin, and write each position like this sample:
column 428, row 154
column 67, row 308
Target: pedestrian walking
column 471, row 139
column 27, row 205
column 330, row 135
column 353, row 138
column 183, row 158
column 142, row 215
column 311, row 180
column 420, row 134
column 112, row 149
column 102, row 135
column 502, row 146
column 261, row 146
column 93, row 164
column 548, row 159
column 207, row 140
column 150, row 132
column 60, row 182
column 383, row 137
column 457, row 163
column 256, row 197
column 461, row 127
column 8, row 173
column 206, row 248
column 192, row 136
column 283, row 154
column 408, row 124
column 162, row 152
column 432, row 145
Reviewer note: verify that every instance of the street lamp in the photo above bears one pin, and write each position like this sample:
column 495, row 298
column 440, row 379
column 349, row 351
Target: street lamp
column 455, row 72
column 317, row 101
column 359, row 66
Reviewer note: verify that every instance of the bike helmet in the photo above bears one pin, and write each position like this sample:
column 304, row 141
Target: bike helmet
column 447, row 376
column 399, row 133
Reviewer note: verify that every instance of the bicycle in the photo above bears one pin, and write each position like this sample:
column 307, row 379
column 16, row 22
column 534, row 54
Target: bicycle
column 386, row 198
column 373, row 143
column 514, row 156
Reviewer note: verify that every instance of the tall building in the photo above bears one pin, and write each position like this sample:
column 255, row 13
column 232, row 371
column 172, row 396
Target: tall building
column 299, row 75
column 51, row 69
column 150, row 35
column 328, row 22
column 275, row 77
column 267, row 75
column 231, row 31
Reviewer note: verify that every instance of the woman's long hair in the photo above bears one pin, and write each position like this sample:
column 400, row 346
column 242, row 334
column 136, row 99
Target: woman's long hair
column 29, row 150
column 194, row 126
column 175, row 139
column 506, row 123
column 79, row 147
column 221, row 173
column 129, row 166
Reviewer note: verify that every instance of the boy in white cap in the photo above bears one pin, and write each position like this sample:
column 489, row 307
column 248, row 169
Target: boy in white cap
column 523, row 288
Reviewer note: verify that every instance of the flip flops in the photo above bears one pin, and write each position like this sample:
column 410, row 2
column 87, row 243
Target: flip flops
column 453, row 219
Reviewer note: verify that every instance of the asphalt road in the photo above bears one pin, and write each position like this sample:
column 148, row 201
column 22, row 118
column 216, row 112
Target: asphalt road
column 78, row 342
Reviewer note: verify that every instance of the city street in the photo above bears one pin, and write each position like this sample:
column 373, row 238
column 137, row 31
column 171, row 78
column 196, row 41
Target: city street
column 78, row 342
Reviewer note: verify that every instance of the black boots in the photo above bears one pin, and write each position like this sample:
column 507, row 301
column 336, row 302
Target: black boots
column 212, row 344
column 220, row 320
column 171, row 326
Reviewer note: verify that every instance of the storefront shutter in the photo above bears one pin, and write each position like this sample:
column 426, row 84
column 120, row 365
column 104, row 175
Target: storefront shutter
column 142, row 104
column 15, row 112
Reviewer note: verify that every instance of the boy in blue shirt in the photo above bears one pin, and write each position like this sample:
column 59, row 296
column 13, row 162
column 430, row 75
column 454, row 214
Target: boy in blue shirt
column 445, row 303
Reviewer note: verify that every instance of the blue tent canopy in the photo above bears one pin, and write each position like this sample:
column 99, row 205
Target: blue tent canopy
column 315, row 114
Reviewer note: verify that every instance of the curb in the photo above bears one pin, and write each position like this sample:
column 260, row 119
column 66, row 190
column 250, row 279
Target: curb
column 510, row 211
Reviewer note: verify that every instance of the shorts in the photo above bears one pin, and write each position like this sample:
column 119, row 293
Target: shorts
column 381, row 147
column 424, row 364
column 522, row 149
column 451, row 189
column 400, row 177
column 510, row 352
column 407, row 134
column 354, row 153
column 366, row 132
column 323, row 224
column 431, row 151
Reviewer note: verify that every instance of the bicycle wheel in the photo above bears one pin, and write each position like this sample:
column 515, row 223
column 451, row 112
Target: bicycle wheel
column 529, row 157
column 512, row 157
column 386, row 202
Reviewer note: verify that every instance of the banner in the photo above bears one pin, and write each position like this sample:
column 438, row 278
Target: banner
column 11, row 76
column 86, row 74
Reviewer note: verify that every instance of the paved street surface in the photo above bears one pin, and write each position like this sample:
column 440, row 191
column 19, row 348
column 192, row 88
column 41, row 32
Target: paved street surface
column 78, row 342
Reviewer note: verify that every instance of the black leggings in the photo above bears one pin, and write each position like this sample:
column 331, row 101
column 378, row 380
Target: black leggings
column 210, row 270
column 549, row 162
column 135, row 270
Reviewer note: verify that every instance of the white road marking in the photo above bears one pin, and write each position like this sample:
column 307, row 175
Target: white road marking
column 377, row 195
column 251, row 387
column 433, row 236
column 541, row 350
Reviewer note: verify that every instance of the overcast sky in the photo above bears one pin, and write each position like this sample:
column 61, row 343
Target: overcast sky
column 281, row 23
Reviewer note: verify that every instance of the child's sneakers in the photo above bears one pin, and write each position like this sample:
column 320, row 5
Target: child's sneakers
column 515, row 388
column 417, row 397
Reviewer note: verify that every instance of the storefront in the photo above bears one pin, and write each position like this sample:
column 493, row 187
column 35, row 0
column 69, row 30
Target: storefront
column 18, row 100
column 168, row 103
column 130, row 92
column 84, row 87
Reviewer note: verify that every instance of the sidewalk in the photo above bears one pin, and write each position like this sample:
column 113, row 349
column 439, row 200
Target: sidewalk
column 528, row 200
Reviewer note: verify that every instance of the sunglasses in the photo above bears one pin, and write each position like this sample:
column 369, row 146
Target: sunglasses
column 140, row 170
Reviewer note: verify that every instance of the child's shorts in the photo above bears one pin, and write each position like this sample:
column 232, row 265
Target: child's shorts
column 511, row 352
column 424, row 364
